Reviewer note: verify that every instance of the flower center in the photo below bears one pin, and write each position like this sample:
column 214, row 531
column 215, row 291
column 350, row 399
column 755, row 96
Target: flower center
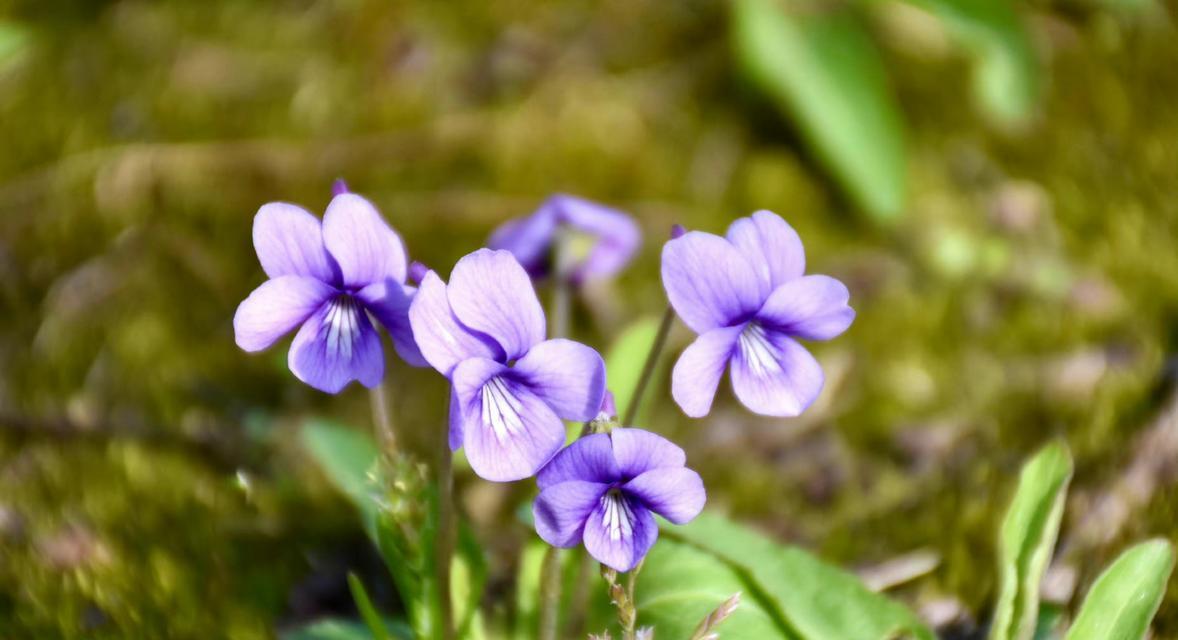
column 343, row 326
column 760, row 354
column 617, row 519
column 501, row 409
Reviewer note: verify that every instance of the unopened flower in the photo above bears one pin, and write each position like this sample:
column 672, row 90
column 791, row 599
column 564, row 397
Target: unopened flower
column 511, row 387
column 607, row 239
column 747, row 297
column 332, row 278
column 603, row 489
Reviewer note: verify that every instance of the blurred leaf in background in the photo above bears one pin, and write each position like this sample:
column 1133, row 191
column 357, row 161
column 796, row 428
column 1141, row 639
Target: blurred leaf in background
column 820, row 66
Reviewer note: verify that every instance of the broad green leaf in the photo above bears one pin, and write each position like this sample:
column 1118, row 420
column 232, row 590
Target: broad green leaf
column 364, row 606
column 1125, row 597
column 680, row 584
column 814, row 599
column 625, row 360
column 1027, row 539
column 338, row 629
column 347, row 457
column 822, row 69
column 1006, row 71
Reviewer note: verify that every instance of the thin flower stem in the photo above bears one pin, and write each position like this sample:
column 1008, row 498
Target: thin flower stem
column 550, row 579
column 445, row 546
column 550, row 573
column 652, row 358
column 631, row 583
column 381, row 418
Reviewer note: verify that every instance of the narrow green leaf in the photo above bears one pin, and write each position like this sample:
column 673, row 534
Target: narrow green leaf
column 1006, row 74
column 624, row 363
column 825, row 73
column 1126, row 596
column 814, row 599
column 679, row 585
column 338, row 629
column 1027, row 539
column 364, row 606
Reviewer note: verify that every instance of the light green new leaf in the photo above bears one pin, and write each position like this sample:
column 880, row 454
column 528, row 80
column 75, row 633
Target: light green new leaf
column 823, row 70
column 625, row 360
column 1125, row 597
column 1006, row 72
column 680, row 584
column 1027, row 539
column 814, row 599
column 14, row 39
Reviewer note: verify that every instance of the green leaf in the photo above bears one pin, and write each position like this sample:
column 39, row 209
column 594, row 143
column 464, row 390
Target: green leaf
column 338, row 629
column 1006, row 72
column 680, row 584
column 1125, row 597
column 347, row 457
column 625, row 360
column 1027, row 539
column 822, row 69
column 814, row 599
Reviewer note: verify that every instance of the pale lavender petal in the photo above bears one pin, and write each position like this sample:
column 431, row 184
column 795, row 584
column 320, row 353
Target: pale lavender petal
column 675, row 494
column 568, row 375
column 276, row 308
column 508, row 432
column 443, row 341
column 698, row 371
column 590, row 458
column 560, row 511
column 618, row 236
column 638, row 451
column 771, row 246
column 810, row 307
column 336, row 346
column 289, row 242
column 389, row 302
column 708, row 282
column 619, row 532
column 529, row 239
column 362, row 243
column 491, row 293
column 772, row 374
column 455, row 435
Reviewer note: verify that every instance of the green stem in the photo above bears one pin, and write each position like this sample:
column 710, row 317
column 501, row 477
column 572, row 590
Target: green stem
column 550, row 583
column 550, row 569
column 445, row 545
column 381, row 418
column 652, row 358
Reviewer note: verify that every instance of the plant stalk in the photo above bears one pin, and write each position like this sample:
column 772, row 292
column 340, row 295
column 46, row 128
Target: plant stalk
column 382, row 421
column 652, row 358
column 550, row 584
column 445, row 543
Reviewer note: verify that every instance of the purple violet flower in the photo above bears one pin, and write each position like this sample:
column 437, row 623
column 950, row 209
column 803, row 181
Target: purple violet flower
column 615, row 237
column 511, row 387
column 602, row 489
column 746, row 297
column 333, row 278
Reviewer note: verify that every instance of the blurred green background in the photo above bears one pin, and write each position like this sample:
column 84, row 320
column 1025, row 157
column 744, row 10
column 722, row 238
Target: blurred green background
column 996, row 182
